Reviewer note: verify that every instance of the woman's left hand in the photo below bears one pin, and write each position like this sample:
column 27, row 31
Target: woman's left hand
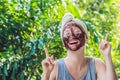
column 105, row 47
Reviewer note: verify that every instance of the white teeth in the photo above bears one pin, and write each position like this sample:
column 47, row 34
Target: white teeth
column 73, row 42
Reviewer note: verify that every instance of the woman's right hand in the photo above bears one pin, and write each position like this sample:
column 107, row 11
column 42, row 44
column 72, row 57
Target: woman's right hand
column 47, row 63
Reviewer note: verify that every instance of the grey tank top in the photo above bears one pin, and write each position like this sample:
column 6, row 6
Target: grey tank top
column 63, row 73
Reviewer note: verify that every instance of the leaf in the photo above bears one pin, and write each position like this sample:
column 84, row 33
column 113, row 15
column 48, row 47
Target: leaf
column 15, row 66
column 32, row 49
column 22, row 76
column 41, row 43
column 95, row 37
column 5, row 71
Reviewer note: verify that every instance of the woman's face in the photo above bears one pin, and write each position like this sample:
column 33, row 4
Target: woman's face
column 73, row 38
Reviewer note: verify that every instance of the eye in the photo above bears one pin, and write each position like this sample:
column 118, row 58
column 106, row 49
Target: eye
column 67, row 33
column 77, row 33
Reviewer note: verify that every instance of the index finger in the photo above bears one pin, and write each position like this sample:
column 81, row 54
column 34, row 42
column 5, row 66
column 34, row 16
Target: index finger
column 106, row 37
column 46, row 52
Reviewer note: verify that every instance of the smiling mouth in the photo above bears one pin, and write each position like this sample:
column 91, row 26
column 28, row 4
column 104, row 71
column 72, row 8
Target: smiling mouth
column 73, row 42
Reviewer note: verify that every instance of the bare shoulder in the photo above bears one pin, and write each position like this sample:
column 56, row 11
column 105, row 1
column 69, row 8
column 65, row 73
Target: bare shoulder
column 54, row 72
column 100, row 68
column 99, row 64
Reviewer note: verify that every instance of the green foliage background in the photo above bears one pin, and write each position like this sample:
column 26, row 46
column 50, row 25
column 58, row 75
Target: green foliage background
column 26, row 26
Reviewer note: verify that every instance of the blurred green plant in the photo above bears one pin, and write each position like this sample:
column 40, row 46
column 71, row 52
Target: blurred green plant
column 27, row 26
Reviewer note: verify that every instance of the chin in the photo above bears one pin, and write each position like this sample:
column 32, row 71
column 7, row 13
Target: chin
column 76, row 49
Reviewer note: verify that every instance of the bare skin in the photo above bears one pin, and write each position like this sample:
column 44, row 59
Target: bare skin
column 105, row 71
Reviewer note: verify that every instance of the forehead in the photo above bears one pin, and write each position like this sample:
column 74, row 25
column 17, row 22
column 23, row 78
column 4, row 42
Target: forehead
column 72, row 25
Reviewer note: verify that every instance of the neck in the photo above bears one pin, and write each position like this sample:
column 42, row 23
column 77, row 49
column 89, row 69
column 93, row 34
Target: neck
column 76, row 57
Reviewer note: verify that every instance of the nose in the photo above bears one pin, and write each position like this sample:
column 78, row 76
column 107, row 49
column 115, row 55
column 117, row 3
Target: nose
column 71, row 37
column 72, row 34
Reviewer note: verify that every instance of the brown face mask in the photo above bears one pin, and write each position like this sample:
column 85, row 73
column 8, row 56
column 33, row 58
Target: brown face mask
column 79, row 38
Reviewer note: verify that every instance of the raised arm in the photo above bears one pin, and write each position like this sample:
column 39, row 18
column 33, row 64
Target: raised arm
column 106, row 71
column 47, row 65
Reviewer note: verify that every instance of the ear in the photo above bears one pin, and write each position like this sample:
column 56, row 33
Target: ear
column 86, row 39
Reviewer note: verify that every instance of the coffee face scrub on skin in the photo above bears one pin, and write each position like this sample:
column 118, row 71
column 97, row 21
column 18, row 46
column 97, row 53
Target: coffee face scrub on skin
column 73, row 36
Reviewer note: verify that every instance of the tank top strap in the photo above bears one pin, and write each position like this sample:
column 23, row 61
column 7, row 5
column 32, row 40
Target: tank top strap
column 63, row 74
column 91, row 70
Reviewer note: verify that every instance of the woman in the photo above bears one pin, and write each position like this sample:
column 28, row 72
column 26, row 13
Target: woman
column 76, row 66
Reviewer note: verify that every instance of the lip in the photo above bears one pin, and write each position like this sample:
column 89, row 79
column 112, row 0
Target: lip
column 73, row 42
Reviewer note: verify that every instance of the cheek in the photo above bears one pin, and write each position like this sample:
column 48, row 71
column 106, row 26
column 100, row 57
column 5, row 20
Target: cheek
column 65, row 40
column 81, row 36
column 82, row 41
